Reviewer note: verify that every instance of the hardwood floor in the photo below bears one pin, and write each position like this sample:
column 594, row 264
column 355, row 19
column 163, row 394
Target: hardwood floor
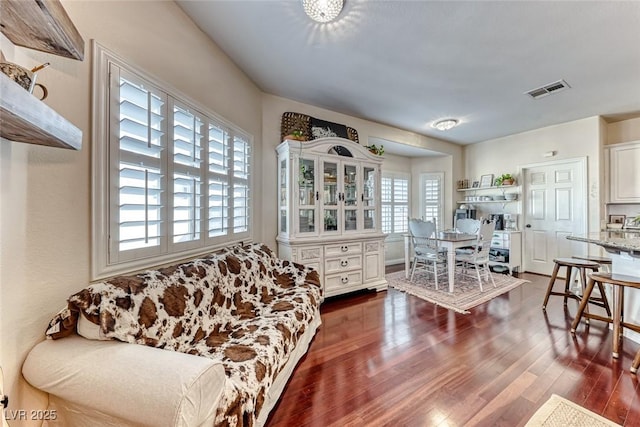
column 389, row 358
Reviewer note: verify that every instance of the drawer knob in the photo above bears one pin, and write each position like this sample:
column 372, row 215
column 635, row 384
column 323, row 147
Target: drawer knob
column 345, row 280
column 344, row 263
column 344, row 248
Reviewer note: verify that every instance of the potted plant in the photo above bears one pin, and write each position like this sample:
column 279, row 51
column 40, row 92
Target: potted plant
column 375, row 149
column 505, row 179
column 296, row 135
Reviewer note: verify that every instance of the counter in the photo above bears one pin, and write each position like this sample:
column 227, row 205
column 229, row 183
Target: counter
column 614, row 241
column 623, row 247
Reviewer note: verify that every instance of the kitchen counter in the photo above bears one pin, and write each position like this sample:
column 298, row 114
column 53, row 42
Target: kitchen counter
column 623, row 247
column 614, row 241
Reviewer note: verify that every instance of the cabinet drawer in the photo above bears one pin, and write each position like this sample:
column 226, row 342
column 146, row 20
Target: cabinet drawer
column 497, row 243
column 347, row 262
column 344, row 280
column 343, row 249
column 307, row 254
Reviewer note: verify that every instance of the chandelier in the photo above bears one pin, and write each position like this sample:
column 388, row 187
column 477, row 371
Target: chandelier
column 322, row 10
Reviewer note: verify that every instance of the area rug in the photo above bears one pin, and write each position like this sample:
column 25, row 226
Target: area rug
column 560, row 412
column 466, row 292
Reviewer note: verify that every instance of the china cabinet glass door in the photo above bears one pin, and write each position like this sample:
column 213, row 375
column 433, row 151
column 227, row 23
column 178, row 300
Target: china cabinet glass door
column 350, row 197
column 306, row 195
column 331, row 196
column 369, row 196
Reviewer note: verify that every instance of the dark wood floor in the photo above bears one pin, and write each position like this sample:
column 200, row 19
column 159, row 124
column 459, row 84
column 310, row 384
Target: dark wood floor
column 389, row 358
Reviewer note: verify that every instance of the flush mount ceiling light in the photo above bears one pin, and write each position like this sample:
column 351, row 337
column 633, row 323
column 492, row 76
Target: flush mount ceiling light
column 445, row 124
column 322, row 10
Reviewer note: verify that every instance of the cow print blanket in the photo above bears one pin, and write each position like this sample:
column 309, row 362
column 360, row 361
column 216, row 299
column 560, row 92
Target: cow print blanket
column 243, row 306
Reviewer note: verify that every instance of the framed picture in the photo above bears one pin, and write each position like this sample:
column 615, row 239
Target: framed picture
column 486, row 180
column 475, row 184
column 631, row 223
column 616, row 219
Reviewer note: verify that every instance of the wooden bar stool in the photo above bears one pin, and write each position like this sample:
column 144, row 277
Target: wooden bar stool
column 605, row 263
column 619, row 282
column 581, row 266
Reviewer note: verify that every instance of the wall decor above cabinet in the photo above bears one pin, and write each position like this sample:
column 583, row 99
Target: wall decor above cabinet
column 301, row 127
column 41, row 25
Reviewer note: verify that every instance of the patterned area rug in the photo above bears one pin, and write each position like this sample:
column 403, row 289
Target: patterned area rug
column 560, row 412
column 466, row 293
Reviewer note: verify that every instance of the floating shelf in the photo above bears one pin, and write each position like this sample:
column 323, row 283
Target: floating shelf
column 41, row 25
column 24, row 118
column 500, row 187
column 473, row 202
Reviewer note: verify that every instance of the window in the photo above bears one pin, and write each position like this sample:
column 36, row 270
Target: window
column 395, row 203
column 172, row 179
column 431, row 197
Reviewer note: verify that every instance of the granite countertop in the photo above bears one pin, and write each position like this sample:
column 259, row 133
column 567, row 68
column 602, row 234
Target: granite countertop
column 613, row 240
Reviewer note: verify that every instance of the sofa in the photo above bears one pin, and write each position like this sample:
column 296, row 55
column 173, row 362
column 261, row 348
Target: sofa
column 207, row 342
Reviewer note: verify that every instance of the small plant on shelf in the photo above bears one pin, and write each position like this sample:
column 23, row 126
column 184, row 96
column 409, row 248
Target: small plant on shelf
column 296, row 135
column 505, row 179
column 375, row 149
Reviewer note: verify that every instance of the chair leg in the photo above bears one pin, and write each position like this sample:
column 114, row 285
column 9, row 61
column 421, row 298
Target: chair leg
column 490, row 275
column 605, row 301
column 550, row 287
column 413, row 269
column 583, row 303
column 567, row 283
column 479, row 278
column 636, row 363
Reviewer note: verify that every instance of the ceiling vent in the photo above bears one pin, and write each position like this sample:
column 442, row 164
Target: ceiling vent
column 545, row 90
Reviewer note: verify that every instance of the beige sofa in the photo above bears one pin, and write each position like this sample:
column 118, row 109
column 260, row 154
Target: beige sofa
column 236, row 322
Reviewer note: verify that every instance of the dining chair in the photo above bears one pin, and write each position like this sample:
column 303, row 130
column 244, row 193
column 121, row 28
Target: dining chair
column 425, row 249
column 467, row 226
column 478, row 258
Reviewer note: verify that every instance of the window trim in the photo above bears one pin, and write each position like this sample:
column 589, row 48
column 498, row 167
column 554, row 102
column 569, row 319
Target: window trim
column 100, row 168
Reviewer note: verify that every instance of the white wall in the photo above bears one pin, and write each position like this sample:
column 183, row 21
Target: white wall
column 45, row 192
column 580, row 138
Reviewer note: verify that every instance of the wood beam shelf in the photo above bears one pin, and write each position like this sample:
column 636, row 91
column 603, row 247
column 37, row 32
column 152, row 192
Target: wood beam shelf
column 24, row 118
column 41, row 25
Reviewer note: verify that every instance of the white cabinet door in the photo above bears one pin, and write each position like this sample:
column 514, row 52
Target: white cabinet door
column 624, row 173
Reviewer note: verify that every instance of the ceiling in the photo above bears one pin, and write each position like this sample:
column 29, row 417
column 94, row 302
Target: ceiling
column 410, row 63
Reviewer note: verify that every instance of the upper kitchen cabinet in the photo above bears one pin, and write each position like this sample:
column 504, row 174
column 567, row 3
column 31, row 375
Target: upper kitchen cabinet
column 623, row 173
column 41, row 25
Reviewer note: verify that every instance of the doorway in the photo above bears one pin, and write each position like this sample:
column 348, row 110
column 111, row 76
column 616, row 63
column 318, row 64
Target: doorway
column 555, row 206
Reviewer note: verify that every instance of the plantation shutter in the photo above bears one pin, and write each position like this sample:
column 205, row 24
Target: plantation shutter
column 172, row 180
column 187, row 176
column 139, row 145
column 432, row 197
column 395, row 204
column 241, row 163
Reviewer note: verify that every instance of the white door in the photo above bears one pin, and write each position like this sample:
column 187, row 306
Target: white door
column 554, row 207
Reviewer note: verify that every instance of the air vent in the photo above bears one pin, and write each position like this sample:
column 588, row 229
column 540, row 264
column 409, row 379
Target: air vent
column 545, row 90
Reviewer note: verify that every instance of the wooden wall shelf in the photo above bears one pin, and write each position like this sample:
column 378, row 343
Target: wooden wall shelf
column 24, row 118
column 41, row 25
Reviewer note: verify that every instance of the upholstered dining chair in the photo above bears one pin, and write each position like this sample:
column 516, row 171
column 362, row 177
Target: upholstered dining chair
column 478, row 258
column 425, row 249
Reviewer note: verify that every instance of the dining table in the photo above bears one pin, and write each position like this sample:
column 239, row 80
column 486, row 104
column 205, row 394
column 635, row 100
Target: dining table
column 448, row 240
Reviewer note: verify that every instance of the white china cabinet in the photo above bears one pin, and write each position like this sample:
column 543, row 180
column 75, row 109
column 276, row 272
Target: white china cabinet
column 329, row 212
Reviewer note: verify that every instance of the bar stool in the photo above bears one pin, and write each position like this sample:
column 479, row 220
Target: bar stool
column 581, row 266
column 619, row 282
column 605, row 263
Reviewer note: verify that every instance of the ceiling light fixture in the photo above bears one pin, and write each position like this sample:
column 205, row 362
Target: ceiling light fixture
column 322, row 10
column 445, row 124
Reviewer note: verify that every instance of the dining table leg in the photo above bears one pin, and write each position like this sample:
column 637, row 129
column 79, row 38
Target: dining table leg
column 451, row 264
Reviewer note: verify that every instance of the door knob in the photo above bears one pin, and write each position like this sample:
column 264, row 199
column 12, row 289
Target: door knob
column 528, row 225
